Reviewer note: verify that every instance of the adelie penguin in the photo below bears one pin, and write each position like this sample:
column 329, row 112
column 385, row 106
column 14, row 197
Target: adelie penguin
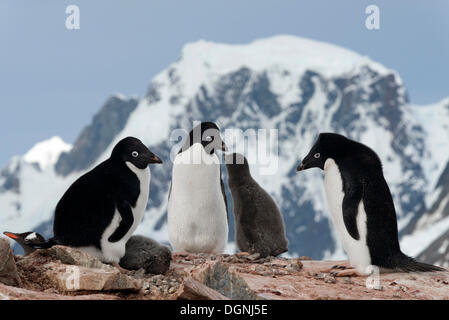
column 361, row 206
column 197, row 206
column 259, row 227
column 101, row 210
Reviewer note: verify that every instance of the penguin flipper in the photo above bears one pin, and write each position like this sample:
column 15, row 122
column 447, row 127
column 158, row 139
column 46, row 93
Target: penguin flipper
column 351, row 203
column 124, row 208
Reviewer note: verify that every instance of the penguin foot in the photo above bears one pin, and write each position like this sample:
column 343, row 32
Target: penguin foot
column 340, row 266
column 349, row 272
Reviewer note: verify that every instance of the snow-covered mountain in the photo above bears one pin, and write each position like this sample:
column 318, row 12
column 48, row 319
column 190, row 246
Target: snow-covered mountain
column 299, row 87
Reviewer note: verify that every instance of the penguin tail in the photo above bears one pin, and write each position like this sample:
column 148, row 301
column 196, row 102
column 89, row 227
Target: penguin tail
column 408, row 264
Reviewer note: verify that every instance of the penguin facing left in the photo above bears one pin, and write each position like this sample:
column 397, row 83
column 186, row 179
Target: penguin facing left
column 101, row 210
column 197, row 207
column 259, row 226
column 361, row 206
column 27, row 240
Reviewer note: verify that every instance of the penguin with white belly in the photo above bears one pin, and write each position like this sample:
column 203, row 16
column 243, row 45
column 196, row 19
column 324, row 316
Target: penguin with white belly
column 361, row 206
column 197, row 205
column 101, row 210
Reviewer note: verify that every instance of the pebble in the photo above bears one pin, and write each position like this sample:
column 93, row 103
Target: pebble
column 330, row 279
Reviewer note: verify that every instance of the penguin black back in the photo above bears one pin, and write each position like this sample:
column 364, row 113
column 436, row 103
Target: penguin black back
column 87, row 207
column 363, row 181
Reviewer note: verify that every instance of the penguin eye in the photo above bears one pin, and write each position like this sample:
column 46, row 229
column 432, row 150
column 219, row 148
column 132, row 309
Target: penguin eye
column 208, row 139
column 317, row 155
column 135, row 154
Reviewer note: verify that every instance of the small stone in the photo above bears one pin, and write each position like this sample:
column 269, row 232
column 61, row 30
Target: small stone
column 294, row 266
column 259, row 269
column 348, row 280
column 330, row 279
column 254, row 256
column 172, row 290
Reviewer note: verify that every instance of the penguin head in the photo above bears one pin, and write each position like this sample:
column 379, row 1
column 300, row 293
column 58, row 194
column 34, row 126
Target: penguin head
column 25, row 238
column 237, row 165
column 328, row 145
column 133, row 150
column 208, row 135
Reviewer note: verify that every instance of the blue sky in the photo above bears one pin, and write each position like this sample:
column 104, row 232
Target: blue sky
column 52, row 80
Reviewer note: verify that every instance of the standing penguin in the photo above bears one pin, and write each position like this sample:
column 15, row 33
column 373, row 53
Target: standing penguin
column 101, row 210
column 197, row 206
column 258, row 222
column 361, row 205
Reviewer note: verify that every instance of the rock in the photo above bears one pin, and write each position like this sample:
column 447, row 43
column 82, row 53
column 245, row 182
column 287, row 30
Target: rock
column 76, row 257
column 193, row 276
column 143, row 252
column 8, row 269
column 254, row 256
column 13, row 293
column 194, row 290
column 295, row 266
column 69, row 278
column 218, row 277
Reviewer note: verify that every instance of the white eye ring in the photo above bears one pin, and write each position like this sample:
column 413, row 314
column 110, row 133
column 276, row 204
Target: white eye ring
column 208, row 138
column 135, row 154
column 317, row 155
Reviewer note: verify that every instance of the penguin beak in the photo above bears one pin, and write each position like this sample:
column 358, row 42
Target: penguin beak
column 301, row 167
column 11, row 235
column 154, row 158
column 223, row 146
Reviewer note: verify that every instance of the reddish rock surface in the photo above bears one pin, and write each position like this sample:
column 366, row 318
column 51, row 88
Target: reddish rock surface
column 47, row 274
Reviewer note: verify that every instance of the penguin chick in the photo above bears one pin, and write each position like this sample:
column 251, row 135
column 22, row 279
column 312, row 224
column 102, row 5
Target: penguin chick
column 361, row 205
column 143, row 252
column 258, row 221
column 27, row 240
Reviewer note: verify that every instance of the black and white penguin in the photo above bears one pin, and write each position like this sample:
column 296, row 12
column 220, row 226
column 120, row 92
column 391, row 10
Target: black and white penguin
column 197, row 205
column 361, row 205
column 101, row 210
column 27, row 240
column 259, row 226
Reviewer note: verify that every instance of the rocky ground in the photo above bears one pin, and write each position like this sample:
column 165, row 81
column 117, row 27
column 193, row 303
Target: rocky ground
column 65, row 273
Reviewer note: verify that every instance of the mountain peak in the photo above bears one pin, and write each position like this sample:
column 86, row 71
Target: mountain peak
column 291, row 51
column 47, row 152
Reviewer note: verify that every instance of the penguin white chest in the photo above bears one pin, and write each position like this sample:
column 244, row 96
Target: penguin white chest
column 197, row 218
column 357, row 250
column 114, row 251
